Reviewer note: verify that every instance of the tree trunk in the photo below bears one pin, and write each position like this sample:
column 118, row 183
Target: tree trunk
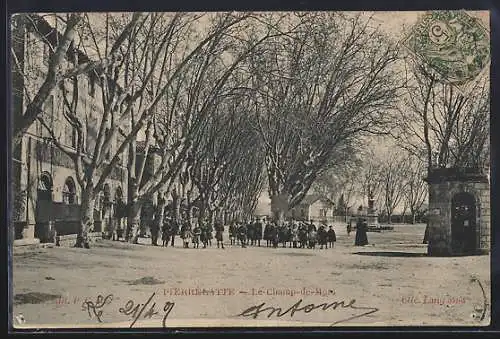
column 86, row 218
column 134, row 209
column 190, row 216
column 213, row 216
column 133, row 221
column 279, row 207
column 176, row 207
column 413, row 217
column 160, row 214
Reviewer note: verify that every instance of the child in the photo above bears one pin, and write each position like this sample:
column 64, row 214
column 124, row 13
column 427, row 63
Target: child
column 331, row 237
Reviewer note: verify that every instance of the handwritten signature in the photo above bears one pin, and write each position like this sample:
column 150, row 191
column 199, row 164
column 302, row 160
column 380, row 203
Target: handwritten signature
column 95, row 308
column 132, row 309
column 255, row 311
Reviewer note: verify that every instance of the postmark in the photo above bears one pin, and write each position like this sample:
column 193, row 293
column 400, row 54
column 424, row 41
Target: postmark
column 451, row 45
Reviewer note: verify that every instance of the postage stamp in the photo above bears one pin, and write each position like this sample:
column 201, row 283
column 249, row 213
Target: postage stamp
column 453, row 44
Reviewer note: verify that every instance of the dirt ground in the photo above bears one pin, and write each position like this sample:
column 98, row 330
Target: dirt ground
column 391, row 280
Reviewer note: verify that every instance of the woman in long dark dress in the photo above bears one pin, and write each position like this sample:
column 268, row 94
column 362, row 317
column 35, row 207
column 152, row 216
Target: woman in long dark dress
column 361, row 237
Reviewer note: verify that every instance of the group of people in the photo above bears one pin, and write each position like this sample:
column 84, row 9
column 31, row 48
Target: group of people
column 202, row 233
column 295, row 234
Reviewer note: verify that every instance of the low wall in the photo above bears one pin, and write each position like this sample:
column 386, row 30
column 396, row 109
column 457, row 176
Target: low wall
column 70, row 239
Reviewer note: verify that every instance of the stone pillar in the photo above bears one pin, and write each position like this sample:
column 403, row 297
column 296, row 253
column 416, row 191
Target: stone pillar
column 439, row 220
column 485, row 218
column 444, row 185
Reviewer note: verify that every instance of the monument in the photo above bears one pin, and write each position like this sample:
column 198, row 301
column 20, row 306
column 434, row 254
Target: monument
column 372, row 215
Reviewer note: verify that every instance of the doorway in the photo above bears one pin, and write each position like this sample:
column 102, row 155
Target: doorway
column 463, row 223
column 43, row 214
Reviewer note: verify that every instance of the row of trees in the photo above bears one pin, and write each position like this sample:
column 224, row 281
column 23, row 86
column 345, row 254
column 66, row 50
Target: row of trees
column 394, row 179
column 229, row 101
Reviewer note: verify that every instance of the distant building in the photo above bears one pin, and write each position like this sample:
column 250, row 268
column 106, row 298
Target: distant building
column 314, row 207
column 263, row 209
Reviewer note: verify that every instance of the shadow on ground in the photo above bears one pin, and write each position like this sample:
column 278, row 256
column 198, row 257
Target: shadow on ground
column 392, row 254
column 292, row 254
column 413, row 254
column 34, row 298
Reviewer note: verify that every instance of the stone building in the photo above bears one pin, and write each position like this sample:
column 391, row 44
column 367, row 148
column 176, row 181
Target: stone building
column 46, row 192
column 459, row 212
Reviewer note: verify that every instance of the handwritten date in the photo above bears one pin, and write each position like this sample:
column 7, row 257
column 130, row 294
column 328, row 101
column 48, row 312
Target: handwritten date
column 135, row 311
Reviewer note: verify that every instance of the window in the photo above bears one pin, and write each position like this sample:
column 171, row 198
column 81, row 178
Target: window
column 91, row 86
column 48, row 116
column 108, row 153
column 74, row 137
column 99, row 201
column 49, row 106
column 69, row 192
column 46, row 54
column 45, row 187
column 107, row 193
column 71, row 134
column 118, row 194
column 45, row 183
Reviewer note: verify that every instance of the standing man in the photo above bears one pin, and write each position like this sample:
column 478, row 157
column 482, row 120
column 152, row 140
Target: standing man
column 174, row 229
column 219, row 230
column 258, row 231
column 242, row 234
column 267, row 233
column 166, row 229
column 233, row 229
column 210, row 230
column 322, row 236
column 274, row 234
column 250, row 232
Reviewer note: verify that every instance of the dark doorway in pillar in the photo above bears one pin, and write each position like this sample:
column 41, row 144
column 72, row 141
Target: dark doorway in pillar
column 463, row 223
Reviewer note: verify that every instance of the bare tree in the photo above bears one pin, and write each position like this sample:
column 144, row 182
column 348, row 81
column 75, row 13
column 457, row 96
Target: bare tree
column 57, row 47
column 371, row 178
column 341, row 182
column 228, row 164
column 208, row 77
column 317, row 90
column 415, row 193
column 393, row 174
column 130, row 89
column 440, row 124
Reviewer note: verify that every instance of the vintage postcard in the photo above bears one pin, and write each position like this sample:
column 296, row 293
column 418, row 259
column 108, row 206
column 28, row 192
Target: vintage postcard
column 250, row 169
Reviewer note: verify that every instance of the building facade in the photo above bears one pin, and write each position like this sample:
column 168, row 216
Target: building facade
column 46, row 192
